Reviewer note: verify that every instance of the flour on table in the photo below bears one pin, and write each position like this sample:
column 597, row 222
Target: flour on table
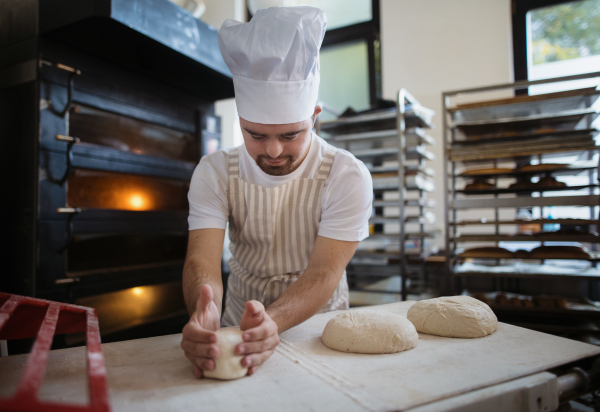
column 370, row 332
column 454, row 317
column 228, row 364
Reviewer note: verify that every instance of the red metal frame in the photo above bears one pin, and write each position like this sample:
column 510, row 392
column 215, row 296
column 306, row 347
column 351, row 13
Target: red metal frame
column 24, row 317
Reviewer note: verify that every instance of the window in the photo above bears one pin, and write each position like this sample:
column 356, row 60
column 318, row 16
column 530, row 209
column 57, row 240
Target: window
column 350, row 61
column 344, row 77
column 556, row 39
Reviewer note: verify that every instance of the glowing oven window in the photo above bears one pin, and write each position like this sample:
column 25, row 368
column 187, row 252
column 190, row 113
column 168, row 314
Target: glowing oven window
column 107, row 190
column 131, row 135
column 94, row 254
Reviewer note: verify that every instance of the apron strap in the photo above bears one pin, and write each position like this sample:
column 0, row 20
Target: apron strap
column 327, row 162
column 234, row 162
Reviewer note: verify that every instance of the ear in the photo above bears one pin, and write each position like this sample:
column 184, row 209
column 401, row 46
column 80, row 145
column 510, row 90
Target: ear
column 318, row 110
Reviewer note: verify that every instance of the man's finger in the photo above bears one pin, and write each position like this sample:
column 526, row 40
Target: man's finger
column 261, row 332
column 200, row 349
column 257, row 346
column 200, row 362
column 254, row 308
column 195, row 333
column 206, row 297
column 197, row 372
column 252, row 370
column 256, row 359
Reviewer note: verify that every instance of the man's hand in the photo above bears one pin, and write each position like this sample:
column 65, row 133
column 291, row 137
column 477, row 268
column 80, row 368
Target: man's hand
column 260, row 336
column 199, row 337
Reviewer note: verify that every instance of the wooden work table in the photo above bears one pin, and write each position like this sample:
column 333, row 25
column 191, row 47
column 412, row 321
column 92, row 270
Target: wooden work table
column 153, row 374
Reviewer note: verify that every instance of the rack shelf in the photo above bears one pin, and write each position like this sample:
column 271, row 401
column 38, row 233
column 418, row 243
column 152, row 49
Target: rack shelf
column 526, row 271
column 534, row 189
column 500, row 138
column 564, row 170
column 569, row 221
column 526, row 238
column 392, row 142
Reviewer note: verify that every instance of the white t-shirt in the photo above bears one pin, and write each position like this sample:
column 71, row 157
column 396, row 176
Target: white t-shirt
column 346, row 201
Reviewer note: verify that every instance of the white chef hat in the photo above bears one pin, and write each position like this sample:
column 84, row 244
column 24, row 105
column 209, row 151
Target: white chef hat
column 274, row 60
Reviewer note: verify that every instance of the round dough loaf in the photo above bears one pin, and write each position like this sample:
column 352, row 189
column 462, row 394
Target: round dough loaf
column 454, row 317
column 228, row 364
column 370, row 332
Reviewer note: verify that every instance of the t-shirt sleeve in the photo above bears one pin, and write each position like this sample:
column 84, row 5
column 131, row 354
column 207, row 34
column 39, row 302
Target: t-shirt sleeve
column 208, row 194
column 347, row 201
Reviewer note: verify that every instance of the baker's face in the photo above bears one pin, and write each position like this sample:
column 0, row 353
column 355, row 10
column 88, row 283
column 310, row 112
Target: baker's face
column 278, row 149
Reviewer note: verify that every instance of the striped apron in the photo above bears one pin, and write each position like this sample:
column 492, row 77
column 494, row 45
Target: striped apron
column 272, row 233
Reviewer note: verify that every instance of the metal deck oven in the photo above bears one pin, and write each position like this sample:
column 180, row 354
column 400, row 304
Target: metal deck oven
column 106, row 107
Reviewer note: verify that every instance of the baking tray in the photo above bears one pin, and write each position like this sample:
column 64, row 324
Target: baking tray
column 567, row 120
column 566, row 170
column 532, row 189
column 526, row 106
column 513, row 136
column 430, row 203
column 538, row 147
column 413, row 182
column 527, row 238
column 412, row 153
column 525, row 271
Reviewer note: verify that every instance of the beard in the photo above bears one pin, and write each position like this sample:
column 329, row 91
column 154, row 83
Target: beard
column 281, row 170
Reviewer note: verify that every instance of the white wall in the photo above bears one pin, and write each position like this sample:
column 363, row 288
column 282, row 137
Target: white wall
column 433, row 46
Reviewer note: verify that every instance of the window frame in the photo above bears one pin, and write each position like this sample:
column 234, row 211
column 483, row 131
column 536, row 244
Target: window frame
column 520, row 8
column 368, row 31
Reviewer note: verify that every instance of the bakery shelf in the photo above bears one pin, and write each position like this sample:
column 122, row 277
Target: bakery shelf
column 518, row 202
column 413, row 136
column 523, row 136
column 415, row 182
column 527, row 238
column 412, row 153
column 408, row 169
column 379, row 220
column 393, row 146
column 525, row 105
column 428, row 203
column 533, row 189
column 408, row 235
column 594, row 259
column 574, row 222
column 564, row 116
column 514, row 131
column 525, row 271
column 415, row 115
column 391, row 256
column 566, row 170
column 543, row 146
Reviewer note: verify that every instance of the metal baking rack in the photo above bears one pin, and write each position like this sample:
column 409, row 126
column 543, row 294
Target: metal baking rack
column 505, row 134
column 24, row 317
column 392, row 143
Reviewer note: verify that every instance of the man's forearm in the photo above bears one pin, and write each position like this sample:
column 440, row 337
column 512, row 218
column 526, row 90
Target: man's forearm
column 303, row 299
column 195, row 274
column 203, row 266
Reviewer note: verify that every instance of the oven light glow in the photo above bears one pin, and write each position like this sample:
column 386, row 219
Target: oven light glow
column 137, row 201
column 137, row 291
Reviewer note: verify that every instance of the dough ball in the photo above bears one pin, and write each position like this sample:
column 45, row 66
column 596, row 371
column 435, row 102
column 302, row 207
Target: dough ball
column 453, row 317
column 228, row 364
column 370, row 332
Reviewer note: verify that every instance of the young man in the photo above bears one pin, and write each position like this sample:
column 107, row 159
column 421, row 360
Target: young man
column 296, row 206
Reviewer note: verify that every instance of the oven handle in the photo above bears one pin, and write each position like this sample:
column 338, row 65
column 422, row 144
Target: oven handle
column 72, row 211
column 71, row 141
column 72, row 73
